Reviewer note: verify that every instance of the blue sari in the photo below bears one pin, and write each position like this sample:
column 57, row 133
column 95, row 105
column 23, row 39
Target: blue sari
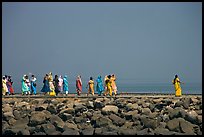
column 65, row 84
column 99, row 86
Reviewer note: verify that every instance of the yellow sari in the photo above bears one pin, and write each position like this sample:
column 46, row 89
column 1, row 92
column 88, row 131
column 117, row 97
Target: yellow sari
column 177, row 87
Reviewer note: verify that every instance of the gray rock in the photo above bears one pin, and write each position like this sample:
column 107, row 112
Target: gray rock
column 146, row 111
column 103, row 121
column 90, row 104
column 130, row 114
column 6, row 108
column 178, row 104
column 191, row 117
column 8, row 115
column 173, row 125
column 109, row 109
column 127, row 131
column 88, row 131
column 16, row 114
column 70, row 132
column 117, row 120
column 186, row 127
column 131, row 106
column 48, row 128
column 175, row 113
column 39, row 133
column 163, row 131
column 23, row 132
column 186, row 102
column 149, row 123
column 57, row 122
column 41, row 107
column 51, row 108
column 146, row 131
column 70, row 126
column 68, row 110
column 98, row 104
column 98, row 131
column 37, row 117
column 12, row 121
column 65, row 116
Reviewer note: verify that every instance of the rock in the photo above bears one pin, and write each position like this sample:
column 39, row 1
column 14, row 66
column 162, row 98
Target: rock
column 145, row 105
column 88, row 131
column 23, row 132
column 51, row 108
column 39, row 133
column 163, row 131
column 191, row 117
column 57, row 122
column 54, row 102
column 6, row 108
column 199, row 119
column 127, row 131
column 90, row 104
column 47, row 114
column 65, row 116
column 70, row 126
column 12, row 121
column 146, row 131
column 68, row 110
column 178, row 104
column 16, row 114
column 8, row 115
column 128, row 124
column 155, row 101
column 146, row 111
column 117, row 120
column 109, row 108
column 23, row 121
column 130, row 114
column 149, row 123
column 70, row 132
column 98, row 104
column 48, row 128
column 21, row 104
column 173, row 125
column 103, row 121
column 37, row 117
column 186, row 102
column 98, row 131
column 186, row 127
column 175, row 113
column 5, row 125
column 41, row 107
column 131, row 106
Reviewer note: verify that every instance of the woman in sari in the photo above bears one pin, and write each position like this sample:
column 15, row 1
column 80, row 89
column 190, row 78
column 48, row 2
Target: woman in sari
column 114, row 87
column 25, row 88
column 51, row 84
column 33, row 84
column 9, row 85
column 177, row 86
column 65, row 85
column 90, row 86
column 108, row 86
column 99, row 86
column 46, row 87
column 4, row 86
column 60, row 84
column 78, row 85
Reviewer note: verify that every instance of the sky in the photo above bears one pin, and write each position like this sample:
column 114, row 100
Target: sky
column 142, row 42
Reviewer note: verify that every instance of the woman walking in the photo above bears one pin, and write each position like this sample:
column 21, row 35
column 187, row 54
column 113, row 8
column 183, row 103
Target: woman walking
column 25, row 88
column 46, row 87
column 99, row 86
column 65, row 85
column 78, row 85
column 9, row 85
column 90, row 86
column 33, row 85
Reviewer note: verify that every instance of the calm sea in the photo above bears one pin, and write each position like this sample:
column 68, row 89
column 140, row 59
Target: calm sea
column 187, row 88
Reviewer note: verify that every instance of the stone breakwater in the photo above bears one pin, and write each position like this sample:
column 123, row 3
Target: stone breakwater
column 102, row 116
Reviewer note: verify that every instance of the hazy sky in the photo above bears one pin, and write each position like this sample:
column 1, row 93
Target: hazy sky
column 145, row 42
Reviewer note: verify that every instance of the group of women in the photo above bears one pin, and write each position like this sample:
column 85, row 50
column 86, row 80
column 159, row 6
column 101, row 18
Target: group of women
column 28, row 86
column 59, row 84
column 7, row 88
column 54, row 86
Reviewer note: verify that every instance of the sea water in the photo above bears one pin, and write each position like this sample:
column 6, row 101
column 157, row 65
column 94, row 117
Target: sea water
column 130, row 86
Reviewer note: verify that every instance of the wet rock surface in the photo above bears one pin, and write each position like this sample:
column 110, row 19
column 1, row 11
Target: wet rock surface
column 102, row 116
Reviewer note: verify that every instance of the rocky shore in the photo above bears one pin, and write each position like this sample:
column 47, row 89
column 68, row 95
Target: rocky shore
column 134, row 115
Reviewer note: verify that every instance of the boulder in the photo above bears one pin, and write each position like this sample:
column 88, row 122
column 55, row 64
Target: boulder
column 173, row 125
column 186, row 127
column 88, row 131
column 90, row 104
column 98, row 131
column 48, row 128
column 41, row 107
column 127, row 131
column 163, row 131
column 103, row 121
column 37, row 117
column 98, row 104
column 191, row 117
column 149, row 123
column 109, row 109
column 70, row 132
column 8, row 115
column 6, row 108
column 68, row 125
column 68, row 110
column 131, row 106
column 51, row 108
column 57, row 122
column 117, row 120
column 146, row 131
